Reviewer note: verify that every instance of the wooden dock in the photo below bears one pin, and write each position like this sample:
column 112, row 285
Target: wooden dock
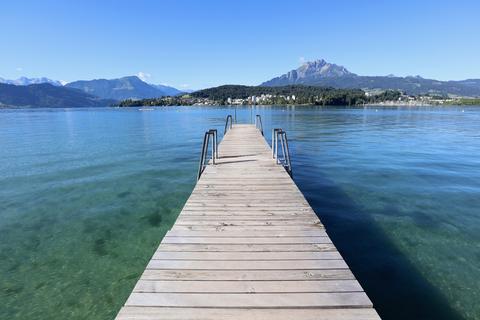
column 247, row 245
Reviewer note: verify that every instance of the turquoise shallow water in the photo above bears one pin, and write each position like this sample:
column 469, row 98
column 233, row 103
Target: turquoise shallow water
column 87, row 194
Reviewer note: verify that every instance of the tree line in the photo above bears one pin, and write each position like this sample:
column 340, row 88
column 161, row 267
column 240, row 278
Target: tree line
column 307, row 95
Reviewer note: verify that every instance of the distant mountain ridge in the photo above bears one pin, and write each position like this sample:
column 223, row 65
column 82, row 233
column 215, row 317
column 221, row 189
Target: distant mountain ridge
column 322, row 73
column 130, row 87
column 46, row 95
column 44, row 92
column 314, row 70
column 167, row 90
column 24, row 81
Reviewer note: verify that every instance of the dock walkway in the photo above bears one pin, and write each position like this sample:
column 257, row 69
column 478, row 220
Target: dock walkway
column 247, row 245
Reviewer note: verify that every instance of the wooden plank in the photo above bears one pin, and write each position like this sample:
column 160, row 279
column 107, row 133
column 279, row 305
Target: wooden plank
column 244, row 187
column 247, row 265
column 265, row 217
column 248, row 275
column 268, row 256
column 253, row 197
column 162, row 313
column 249, row 203
column 257, row 212
column 246, row 233
column 225, row 223
column 249, row 240
column 247, row 206
column 227, row 228
column 246, row 214
column 248, row 286
column 238, row 196
column 259, row 300
column 246, row 247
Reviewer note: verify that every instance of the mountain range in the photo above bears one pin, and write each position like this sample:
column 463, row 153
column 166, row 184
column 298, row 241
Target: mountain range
column 24, row 81
column 130, row 87
column 44, row 92
column 46, row 95
column 325, row 74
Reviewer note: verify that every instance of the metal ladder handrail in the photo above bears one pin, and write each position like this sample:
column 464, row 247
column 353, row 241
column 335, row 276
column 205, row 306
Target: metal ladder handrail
column 279, row 134
column 212, row 133
column 227, row 127
column 258, row 123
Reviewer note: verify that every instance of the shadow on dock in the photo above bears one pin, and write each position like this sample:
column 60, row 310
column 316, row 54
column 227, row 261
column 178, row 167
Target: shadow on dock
column 397, row 289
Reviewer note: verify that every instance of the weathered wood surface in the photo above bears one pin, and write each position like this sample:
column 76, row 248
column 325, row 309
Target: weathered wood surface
column 247, row 245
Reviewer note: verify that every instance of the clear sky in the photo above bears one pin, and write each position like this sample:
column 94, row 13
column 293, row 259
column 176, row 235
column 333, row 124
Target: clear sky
column 197, row 44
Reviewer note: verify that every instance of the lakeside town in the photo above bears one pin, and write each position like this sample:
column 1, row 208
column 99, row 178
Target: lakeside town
column 403, row 100
column 377, row 98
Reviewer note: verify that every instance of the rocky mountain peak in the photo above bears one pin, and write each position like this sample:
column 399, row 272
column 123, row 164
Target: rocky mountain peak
column 322, row 68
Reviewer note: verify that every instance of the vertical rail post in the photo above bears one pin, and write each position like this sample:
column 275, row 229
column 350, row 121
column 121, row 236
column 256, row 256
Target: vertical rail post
column 280, row 136
column 202, row 156
column 216, row 143
column 282, row 142
column 287, row 158
column 212, row 133
column 228, row 125
column 273, row 143
column 206, row 150
column 258, row 123
column 277, row 141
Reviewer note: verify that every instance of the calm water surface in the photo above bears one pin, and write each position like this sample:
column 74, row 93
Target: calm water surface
column 87, row 194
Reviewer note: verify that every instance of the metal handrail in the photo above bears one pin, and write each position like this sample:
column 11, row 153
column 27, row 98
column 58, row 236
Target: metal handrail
column 280, row 135
column 258, row 123
column 286, row 151
column 227, row 127
column 212, row 133
column 274, row 142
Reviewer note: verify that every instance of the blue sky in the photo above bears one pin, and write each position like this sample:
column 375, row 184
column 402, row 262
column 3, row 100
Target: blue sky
column 197, row 44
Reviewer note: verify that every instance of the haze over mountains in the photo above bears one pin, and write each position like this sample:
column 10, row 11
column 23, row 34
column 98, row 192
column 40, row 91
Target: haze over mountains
column 44, row 92
column 323, row 73
column 130, row 87
column 24, row 81
column 46, row 95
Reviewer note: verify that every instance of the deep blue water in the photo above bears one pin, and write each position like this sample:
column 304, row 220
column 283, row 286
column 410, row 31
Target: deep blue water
column 87, row 194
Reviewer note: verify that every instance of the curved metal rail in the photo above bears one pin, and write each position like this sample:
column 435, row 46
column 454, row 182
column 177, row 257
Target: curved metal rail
column 278, row 135
column 227, row 126
column 210, row 134
column 258, row 123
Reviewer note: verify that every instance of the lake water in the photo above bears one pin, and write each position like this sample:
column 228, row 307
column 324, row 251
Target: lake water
column 87, row 194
